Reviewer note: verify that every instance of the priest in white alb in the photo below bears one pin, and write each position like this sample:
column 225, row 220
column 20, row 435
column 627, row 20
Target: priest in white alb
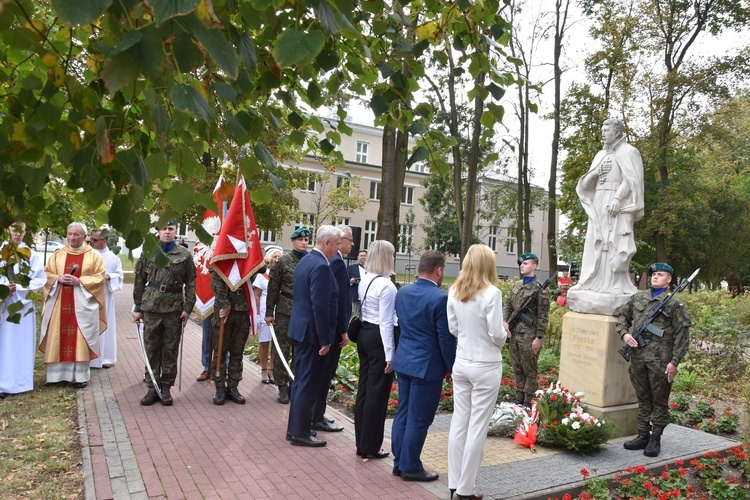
column 74, row 309
column 113, row 277
column 18, row 339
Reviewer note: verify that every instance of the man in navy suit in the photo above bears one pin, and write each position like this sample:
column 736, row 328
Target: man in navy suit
column 338, row 266
column 312, row 328
column 355, row 272
column 424, row 357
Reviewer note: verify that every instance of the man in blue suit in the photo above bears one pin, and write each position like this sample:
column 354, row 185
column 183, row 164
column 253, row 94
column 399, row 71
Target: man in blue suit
column 312, row 327
column 338, row 266
column 424, row 357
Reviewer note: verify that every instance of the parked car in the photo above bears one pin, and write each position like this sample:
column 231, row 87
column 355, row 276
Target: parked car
column 51, row 246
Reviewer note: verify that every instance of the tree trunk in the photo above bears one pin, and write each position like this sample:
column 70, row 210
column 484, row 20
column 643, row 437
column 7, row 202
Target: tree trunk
column 471, row 174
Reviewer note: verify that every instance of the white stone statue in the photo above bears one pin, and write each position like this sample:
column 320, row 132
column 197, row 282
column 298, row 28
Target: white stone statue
column 611, row 193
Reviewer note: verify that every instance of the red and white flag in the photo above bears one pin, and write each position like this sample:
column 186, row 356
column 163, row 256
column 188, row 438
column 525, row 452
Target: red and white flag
column 204, row 295
column 238, row 255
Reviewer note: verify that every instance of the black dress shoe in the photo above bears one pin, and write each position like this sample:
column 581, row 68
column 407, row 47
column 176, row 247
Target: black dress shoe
column 79, row 385
column 289, row 436
column 309, row 441
column 379, row 454
column 396, row 472
column 328, row 419
column 422, row 476
column 234, row 395
column 326, row 427
column 221, row 395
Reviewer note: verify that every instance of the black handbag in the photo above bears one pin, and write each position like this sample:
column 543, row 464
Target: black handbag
column 355, row 324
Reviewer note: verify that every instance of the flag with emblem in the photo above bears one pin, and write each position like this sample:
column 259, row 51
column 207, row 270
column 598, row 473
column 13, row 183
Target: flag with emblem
column 204, row 295
column 238, row 254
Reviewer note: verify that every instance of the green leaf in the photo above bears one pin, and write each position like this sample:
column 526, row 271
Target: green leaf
column 76, row 12
column 327, row 59
column 313, row 92
column 294, row 46
column 346, row 27
column 326, row 17
column 416, row 128
column 326, row 146
column 419, row 154
column 167, row 9
column 189, row 164
column 295, row 120
column 191, row 101
column 261, row 195
column 180, row 196
column 515, row 60
column 235, row 127
column 219, row 48
column 157, row 166
column 441, row 167
column 119, row 212
column 225, row 91
column 248, row 54
column 134, row 239
column 488, row 119
column 533, row 107
column 118, row 71
column 379, row 104
column 250, row 167
column 264, row 155
column 497, row 91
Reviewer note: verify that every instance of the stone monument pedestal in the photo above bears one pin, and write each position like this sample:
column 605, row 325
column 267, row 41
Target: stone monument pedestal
column 589, row 363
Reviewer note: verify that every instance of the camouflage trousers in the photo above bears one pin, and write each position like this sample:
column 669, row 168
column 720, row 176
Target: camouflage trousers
column 647, row 367
column 280, row 374
column 523, row 361
column 236, row 332
column 161, row 336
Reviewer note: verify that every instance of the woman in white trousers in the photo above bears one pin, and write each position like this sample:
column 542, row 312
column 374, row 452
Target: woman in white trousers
column 475, row 317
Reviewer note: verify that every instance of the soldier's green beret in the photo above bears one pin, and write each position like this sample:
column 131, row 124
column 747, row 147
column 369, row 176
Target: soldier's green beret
column 527, row 256
column 172, row 222
column 301, row 232
column 660, row 266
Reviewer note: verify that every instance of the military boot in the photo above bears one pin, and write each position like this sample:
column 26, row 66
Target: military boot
column 654, row 446
column 166, row 397
column 640, row 441
column 150, row 398
column 234, row 395
column 221, row 395
column 283, row 395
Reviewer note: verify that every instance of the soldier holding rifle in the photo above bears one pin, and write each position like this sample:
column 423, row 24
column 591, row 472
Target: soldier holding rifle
column 525, row 338
column 664, row 339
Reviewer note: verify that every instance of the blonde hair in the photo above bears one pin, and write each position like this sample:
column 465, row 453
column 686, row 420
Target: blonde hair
column 477, row 273
column 270, row 255
column 380, row 258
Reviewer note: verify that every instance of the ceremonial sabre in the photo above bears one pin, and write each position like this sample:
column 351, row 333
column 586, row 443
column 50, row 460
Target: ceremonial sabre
column 145, row 358
column 278, row 350
column 182, row 335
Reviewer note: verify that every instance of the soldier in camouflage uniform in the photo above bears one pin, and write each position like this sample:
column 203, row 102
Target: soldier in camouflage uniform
column 653, row 368
column 525, row 341
column 159, row 301
column 234, row 312
column 279, row 300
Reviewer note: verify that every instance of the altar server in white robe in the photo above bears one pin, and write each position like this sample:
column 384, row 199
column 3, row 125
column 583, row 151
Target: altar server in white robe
column 18, row 340
column 113, row 276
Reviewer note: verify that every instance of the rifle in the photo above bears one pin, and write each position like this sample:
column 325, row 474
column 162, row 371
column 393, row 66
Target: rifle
column 647, row 324
column 520, row 315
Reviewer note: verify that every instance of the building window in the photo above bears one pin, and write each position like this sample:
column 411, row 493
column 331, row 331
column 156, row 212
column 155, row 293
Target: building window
column 492, row 238
column 363, row 149
column 419, row 167
column 371, row 232
column 510, row 242
column 405, row 238
column 407, row 196
column 308, row 221
column 341, row 220
column 267, row 236
column 310, row 183
column 375, row 188
column 181, row 229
